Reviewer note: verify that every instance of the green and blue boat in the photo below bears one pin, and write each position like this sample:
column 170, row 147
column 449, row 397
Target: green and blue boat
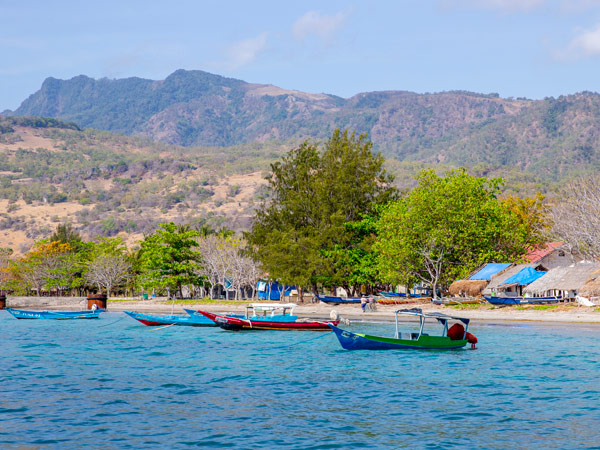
column 452, row 336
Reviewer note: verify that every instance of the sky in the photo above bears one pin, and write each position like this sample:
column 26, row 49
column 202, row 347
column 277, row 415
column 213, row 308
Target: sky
column 517, row 48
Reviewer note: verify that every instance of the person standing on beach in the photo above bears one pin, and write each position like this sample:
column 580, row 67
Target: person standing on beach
column 363, row 303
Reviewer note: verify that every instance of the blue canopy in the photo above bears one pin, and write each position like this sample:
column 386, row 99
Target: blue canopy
column 488, row 271
column 524, row 277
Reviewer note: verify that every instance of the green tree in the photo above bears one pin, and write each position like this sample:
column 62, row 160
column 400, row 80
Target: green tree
column 446, row 227
column 169, row 258
column 301, row 236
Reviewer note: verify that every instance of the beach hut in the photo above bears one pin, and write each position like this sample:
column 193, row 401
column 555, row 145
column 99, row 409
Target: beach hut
column 514, row 288
column 474, row 285
column 565, row 282
column 591, row 288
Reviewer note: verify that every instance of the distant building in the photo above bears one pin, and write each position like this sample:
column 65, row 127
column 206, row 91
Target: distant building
column 551, row 255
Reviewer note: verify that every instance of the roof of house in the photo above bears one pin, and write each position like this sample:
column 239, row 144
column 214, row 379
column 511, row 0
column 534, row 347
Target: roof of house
column 523, row 277
column 568, row 278
column 538, row 253
column 488, row 271
column 500, row 277
column 591, row 288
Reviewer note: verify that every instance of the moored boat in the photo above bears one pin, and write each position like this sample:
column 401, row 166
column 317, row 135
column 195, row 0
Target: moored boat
column 153, row 320
column 495, row 300
column 452, row 337
column 329, row 299
column 268, row 317
column 57, row 315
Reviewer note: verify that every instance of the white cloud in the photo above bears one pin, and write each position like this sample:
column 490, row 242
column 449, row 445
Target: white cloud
column 246, row 51
column 586, row 44
column 502, row 5
column 321, row 25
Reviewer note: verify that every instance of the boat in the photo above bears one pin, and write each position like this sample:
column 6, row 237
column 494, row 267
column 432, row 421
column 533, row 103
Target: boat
column 58, row 315
column 402, row 300
column 495, row 300
column 337, row 300
column 190, row 320
column 264, row 316
column 399, row 294
column 453, row 301
column 452, row 337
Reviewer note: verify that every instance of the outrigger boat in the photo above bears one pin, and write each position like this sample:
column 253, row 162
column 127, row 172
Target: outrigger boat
column 190, row 320
column 265, row 316
column 58, row 315
column 452, row 337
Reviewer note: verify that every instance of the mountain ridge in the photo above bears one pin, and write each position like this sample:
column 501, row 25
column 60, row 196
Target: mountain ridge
column 552, row 137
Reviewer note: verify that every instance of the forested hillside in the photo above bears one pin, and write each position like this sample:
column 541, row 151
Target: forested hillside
column 551, row 138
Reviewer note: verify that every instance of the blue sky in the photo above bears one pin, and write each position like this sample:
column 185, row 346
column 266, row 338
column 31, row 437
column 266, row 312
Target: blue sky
column 529, row 48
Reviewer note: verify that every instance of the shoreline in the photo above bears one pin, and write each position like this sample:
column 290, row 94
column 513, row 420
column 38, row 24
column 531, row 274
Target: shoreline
column 563, row 313
column 484, row 313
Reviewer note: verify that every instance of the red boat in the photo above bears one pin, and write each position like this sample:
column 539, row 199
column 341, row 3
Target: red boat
column 268, row 322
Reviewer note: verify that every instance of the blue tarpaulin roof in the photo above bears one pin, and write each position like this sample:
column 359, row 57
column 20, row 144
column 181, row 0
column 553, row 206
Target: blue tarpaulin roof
column 488, row 271
column 524, row 277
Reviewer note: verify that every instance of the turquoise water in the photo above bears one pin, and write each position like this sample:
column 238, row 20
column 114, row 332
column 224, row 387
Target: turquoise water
column 105, row 385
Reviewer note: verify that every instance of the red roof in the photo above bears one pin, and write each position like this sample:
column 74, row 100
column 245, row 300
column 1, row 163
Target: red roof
column 536, row 254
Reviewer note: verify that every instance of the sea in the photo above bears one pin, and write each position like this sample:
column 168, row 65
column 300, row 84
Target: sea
column 113, row 383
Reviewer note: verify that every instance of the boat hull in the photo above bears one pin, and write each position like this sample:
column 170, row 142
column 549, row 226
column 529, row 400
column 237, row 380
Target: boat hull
column 186, row 321
column 356, row 341
column 55, row 315
column 520, row 301
column 337, row 300
column 236, row 323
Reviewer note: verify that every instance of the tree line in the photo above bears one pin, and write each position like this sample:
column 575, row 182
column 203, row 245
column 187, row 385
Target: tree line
column 335, row 219
column 175, row 260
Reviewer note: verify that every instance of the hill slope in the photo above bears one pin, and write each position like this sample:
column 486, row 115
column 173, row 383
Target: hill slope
column 550, row 137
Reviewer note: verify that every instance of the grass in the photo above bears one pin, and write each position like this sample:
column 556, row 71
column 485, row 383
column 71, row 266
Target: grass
column 469, row 306
column 536, row 307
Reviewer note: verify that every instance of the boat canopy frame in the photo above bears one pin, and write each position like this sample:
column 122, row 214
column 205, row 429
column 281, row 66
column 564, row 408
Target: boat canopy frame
column 440, row 317
column 270, row 309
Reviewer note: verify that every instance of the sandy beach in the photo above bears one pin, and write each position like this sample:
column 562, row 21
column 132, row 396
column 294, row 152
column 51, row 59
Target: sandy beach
column 563, row 312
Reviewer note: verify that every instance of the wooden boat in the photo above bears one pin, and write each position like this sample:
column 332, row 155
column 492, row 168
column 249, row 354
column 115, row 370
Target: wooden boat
column 399, row 294
column 494, row 300
column 57, row 315
column 448, row 301
column 452, row 337
column 337, row 300
column 402, row 300
column 152, row 320
column 268, row 317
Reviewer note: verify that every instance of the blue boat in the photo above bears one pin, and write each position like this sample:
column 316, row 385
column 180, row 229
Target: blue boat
column 57, row 315
column 191, row 320
column 451, row 337
column 495, row 300
column 337, row 300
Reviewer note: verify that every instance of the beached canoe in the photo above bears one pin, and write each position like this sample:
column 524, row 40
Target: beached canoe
column 153, row 320
column 494, row 300
column 452, row 337
column 56, row 315
column 337, row 300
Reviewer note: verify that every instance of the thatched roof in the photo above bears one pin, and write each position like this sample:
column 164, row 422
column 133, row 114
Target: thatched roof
column 498, row 279
column 569, row 278
column 592, row 287
column 469, row 288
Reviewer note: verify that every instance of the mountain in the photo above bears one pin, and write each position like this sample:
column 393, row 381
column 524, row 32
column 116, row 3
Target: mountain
column 549, row 139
